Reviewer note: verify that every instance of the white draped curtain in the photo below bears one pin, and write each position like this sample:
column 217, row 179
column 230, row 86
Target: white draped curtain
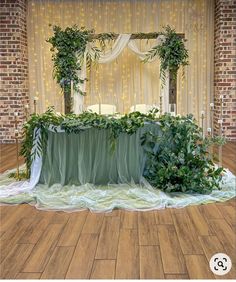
column 109, row 56
column 126, row 79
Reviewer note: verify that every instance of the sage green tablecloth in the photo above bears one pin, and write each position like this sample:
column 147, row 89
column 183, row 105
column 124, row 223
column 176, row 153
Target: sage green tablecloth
column 86, row 157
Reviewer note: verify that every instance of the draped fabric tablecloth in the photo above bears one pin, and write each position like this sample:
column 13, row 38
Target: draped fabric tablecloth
column 79, row 171
column 87, row 157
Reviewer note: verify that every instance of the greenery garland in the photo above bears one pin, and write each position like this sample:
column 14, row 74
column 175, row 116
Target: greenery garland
column 178, row 160
column 171, row 52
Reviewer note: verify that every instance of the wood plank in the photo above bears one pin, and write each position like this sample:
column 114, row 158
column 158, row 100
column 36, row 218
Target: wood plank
column 60, row 217
column 129, row 220
column 176, row 276
column 17, row 214
column 103, row 269
column 198, row 267
column 163, row 216
column 58, row 264
column 198, row 221
column 115, row 212
column 16, row 230
column 226, row 235
column 108, row 239
column 93, row 223
column 73, row 228
column 43, row 249
column 28, row 275
column 148, row 234
column 210, row 211
column 6, row 211
column 231, row 202
column 35, row 230
column 82, row 260
column 11, row 215
column 11, row 236
column 171, row 253
column 127, row 265
column 149, row 35
column 229, row 214
column 8, row 157
column 15, row 260
column 150, row 263
column 187, row 235
column 211, row 246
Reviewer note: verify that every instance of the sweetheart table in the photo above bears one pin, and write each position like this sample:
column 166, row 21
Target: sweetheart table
column 86, row 157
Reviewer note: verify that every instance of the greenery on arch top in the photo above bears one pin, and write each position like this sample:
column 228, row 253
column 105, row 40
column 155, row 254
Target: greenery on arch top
column 171, row 51
column 69, row 45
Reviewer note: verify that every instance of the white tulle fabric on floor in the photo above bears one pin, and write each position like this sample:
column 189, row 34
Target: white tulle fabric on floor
column 130, row 196
column 133, row 197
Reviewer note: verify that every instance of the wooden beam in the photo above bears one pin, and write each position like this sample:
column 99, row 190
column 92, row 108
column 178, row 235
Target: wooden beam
column 150, row 35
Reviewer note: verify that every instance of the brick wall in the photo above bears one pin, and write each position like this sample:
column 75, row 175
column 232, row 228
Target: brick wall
column 225, row 66
column 13, row 65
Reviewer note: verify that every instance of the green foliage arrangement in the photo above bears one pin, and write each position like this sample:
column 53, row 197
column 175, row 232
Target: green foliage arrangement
column 171, row 51
column 181, row 162
column 73, row 123
column 178, row 160
column 65, row 44
column 30, row 128
column 68, row 47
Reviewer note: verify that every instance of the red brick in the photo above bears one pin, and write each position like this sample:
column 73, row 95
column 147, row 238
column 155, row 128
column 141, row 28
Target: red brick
column 14, row 74
column 224, row 78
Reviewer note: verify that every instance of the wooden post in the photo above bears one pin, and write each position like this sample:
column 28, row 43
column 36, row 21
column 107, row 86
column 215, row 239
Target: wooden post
column 67, row 100
column 173, row 90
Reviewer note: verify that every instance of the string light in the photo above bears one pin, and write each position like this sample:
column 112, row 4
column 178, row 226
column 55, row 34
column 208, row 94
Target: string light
column 134, row 16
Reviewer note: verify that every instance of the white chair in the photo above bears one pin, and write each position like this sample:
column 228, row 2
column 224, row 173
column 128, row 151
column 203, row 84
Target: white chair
column 106, row 109
column 142, row 108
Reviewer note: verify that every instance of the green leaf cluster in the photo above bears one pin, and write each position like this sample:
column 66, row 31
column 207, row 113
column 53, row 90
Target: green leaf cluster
column 68, row 47
column 65, row 45
column 171, row 52
column 177, row 159
column 30, row 128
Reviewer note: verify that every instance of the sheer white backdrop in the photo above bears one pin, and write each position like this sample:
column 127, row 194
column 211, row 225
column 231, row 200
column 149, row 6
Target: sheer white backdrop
column 108, row 57
column 125, row 81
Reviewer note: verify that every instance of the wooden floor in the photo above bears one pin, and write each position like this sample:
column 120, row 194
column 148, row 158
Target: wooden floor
column 170, row 243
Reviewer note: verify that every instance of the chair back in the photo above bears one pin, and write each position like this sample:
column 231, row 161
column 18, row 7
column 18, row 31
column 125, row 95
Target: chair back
column 106, row 109
column 142, row 108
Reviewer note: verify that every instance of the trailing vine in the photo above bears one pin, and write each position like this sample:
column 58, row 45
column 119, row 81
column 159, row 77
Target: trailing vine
column 171, row 52
column 68, row 47
column 65, row 45
column 177, row 160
